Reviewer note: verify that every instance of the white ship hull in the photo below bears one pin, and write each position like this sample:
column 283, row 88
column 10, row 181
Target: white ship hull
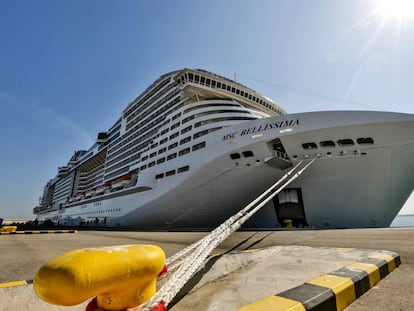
column 359, row 185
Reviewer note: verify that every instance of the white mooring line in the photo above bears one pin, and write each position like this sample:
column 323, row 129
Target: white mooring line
column 184, row 264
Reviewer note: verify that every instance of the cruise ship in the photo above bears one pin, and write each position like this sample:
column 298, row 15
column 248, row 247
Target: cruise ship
column 195, row 147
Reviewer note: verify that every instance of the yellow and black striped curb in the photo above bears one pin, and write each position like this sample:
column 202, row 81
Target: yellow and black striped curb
column 332, row 291
column 38, row 232
column 16, row 283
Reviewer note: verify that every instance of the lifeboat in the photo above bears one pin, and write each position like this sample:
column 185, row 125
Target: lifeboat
column 80, row 196
column 120, row 182
column 90, row 193
column 101, row 189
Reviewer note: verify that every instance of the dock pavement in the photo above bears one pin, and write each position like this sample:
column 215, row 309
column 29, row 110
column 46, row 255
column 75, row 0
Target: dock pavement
column 21, row 256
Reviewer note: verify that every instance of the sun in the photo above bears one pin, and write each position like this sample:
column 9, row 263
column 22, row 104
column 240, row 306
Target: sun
column 399, row 9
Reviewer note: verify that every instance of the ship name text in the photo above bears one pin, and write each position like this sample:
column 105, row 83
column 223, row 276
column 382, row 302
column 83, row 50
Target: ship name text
column 262, row 128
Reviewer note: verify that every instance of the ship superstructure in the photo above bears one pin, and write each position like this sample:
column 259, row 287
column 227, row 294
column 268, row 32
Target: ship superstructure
column 194, row 147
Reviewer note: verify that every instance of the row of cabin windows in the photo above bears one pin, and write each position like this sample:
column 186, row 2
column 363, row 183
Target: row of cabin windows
column 229, row 88
column 189, row 118
column 131, row 139
column 210, row 105
column 108, row 211
column 187, row 129
column 132, row 152
column 172, row 172
column 341, row 142
column 246, row 154
column 164, row 102
column 173, row 155
column 183, row 141
column 140, row 128
column 222, row 119
column 140, row 102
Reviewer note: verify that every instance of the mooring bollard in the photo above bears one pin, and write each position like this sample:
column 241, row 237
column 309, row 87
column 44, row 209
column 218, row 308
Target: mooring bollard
column 119, row 277
column 8, row 229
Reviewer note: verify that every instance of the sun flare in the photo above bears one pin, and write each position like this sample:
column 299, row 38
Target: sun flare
column 397, row 8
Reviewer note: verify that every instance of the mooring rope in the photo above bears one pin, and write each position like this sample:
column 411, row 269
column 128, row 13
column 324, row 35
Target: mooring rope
column 188, row 261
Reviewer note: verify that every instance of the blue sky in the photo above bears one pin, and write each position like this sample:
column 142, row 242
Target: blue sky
column 69, row 68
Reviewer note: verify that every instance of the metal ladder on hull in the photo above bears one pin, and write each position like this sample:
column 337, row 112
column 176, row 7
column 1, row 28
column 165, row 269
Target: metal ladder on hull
column 184, row 264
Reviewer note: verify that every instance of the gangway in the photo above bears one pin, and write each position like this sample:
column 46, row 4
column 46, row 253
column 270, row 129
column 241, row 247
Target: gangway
column 184, row 264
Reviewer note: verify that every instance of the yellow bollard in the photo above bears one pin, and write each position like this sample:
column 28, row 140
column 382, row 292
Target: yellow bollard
column 119, row 276
column 288, row 223
column 8, row 229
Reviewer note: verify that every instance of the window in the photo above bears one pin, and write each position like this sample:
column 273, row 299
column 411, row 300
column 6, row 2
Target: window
column 187, row 129
column 144, row 158
column 309, row 146
column 183, row 169
column 151, row 164
column 174, row 135
column 175, row 125
column 247, row 154
column 199, row 134
column 365, row 141
column 171, row 156
column 345, row 142
column 162, row 150
column 188, row 119
column 327, row 143
column 165, row 131
column 143, row 167
column 170, row 173
column 185, row 140
column 160, row 160
column 172, row 146
column 184, row 151
column 199, row 146
column 159, row 176
column 153, row 154
column 162, row 141
column 154, row 145
column 176, row 116
column 235, row 156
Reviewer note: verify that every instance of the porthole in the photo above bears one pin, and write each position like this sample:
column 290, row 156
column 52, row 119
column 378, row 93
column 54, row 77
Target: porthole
column 365, row 141
column 327, row 143
column 345, row 142
column 170, row 173
column 248, row 154
column 184, row 151
column 172, row 146
column 235, row 156
column 183, row 169
column 309, row 145
column 199, row 146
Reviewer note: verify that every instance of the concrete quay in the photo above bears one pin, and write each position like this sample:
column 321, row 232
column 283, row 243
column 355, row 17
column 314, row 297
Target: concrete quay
column 291, row 265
